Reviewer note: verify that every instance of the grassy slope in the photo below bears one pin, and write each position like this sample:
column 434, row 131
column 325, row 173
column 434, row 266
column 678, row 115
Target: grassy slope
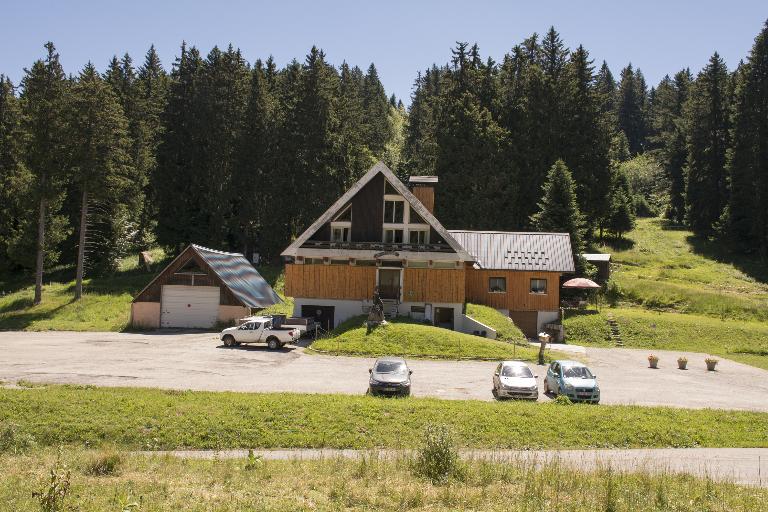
column 138, row 418
column 406, row 338
column 505, row 329
column 166, row 483
column 670, row 269
column 746, row 342
column 106, row 302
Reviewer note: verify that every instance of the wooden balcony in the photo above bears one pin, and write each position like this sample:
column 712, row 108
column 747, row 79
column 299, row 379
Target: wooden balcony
column 377, row 246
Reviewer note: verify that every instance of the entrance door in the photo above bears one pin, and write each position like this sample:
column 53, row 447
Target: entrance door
column 323, row 315
column 444, row 318
column 389, row 283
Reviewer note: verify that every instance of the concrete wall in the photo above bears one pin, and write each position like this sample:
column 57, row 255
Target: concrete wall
column 470, row 325
column 145, row 315
column 230, row 314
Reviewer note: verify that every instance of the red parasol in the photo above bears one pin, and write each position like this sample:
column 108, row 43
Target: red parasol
column 581, row 283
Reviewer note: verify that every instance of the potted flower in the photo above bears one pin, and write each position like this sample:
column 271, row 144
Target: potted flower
column 653, row 360
column 711, row 363
column 682, row 362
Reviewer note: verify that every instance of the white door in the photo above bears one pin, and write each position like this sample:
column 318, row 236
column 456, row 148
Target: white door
column 189, row 306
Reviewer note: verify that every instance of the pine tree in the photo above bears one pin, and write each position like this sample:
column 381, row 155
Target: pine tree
column 748, row 158
column 605, row 88
column 558, row 209
column 102, row 167
column 621, row 216
column 707, row 141
column 630, row 108
column 376, row 107
column 44, row 103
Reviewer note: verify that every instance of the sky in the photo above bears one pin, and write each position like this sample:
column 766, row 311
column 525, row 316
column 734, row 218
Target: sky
column 400, row 37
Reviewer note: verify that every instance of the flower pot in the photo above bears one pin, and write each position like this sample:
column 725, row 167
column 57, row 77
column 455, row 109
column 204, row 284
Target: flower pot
column 711, row 365
column 682, row 365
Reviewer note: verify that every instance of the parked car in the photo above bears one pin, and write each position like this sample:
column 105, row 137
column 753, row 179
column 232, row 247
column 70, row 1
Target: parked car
column 572, row 379
column 514, row 379
column 390, row 376
column 259, row 329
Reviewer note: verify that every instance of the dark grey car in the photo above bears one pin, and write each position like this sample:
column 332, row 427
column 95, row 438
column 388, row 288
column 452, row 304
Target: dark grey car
column 390, row 376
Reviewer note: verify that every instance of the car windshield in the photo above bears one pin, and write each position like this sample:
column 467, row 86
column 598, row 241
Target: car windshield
column 516, row 371
column 390, row 367
column 577, row 372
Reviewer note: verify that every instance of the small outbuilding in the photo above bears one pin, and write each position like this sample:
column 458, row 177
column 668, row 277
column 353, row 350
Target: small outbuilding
column 200, row 288
column 603, row 264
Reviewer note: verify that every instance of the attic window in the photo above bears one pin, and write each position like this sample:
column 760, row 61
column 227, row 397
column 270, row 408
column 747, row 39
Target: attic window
column 345, row 215
column 191, row 268
column 416, row 218
column 394, row 212
column 389, row 189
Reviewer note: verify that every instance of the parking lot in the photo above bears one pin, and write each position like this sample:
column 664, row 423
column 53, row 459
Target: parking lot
column 198, row 361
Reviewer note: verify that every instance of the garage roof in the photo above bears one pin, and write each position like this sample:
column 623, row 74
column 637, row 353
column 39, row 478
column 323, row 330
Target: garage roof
column 518, row 251
column 240, row 277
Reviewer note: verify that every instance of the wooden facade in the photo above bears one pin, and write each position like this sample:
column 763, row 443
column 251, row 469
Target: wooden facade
column 342, row 282
column 518, row 296
column 169, row 275
column 434, row 285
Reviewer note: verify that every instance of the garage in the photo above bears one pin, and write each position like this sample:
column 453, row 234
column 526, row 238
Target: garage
column 200, row 289
column 189, row 306
column 526, row 321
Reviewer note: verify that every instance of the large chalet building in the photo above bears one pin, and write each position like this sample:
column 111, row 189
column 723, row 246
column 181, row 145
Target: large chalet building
column 381, row 235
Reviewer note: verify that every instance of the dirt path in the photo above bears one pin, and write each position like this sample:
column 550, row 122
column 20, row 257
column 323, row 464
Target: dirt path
column 197, row 361
column 747, row 466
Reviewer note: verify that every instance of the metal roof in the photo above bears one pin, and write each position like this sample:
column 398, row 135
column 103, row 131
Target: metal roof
column 518, row 251
column 596, row 257
column 422, row 179
column 240, row 277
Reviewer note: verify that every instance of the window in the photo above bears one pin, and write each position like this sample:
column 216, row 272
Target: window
column 393, row 236
column 340, row 233
column 345, row 215
column 418, row 309
column 313, row 261
column 418, row 264
column 339, row 262
column 497, row 284
column 415, row 218
column 394, row 212
column 365, row 263
column 443, row 264
column 539, row 286
column 389, row 189
column 418, row 236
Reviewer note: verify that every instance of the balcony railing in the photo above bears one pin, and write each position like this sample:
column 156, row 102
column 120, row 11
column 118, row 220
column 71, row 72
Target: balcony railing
column 377, row 246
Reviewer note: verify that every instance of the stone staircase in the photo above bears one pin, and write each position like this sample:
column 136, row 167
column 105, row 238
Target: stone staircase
column 615, row 334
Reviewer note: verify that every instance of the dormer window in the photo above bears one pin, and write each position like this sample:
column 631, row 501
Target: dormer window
column 341, row 226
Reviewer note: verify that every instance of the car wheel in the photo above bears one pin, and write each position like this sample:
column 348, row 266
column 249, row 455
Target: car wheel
column 495, row 393
column 229, row 340
column 273, row 344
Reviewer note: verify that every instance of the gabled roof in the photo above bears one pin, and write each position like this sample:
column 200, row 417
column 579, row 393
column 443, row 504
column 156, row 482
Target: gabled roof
column 235, row 273
column 398, row 185
column 499, row 250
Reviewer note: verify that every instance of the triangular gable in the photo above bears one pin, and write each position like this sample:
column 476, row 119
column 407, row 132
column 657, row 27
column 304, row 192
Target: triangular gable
column 379, row 168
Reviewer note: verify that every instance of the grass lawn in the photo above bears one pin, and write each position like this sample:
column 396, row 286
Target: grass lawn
column 671, row 269
column 746, row 342
column 106, row 302
column 169, row 484
column 136, row 418
column 506, row 330
column 412, row 339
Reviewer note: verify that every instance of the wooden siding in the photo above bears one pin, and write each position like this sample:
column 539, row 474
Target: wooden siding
column 168, row 276
column 518, row 296
column 368, row 211
column 433, row 285
column 329, row 281
column 425, row 194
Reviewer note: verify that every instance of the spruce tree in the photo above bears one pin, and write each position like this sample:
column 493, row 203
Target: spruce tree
column 378, row 130
column 44, row 106
column 621, row 216
column 102, row 168
column 558, row 208
column 630, row 108
column 707, row 128
column 605, row 88
column 748, row 158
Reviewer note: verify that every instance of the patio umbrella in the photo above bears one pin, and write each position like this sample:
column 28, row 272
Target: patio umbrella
column 582, row 283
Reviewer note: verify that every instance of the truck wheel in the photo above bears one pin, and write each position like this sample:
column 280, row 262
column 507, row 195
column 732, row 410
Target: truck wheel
column 229, row 340
column 273, row 344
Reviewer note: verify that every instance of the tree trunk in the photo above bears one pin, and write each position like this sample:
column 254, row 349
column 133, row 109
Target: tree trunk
column 40, row 253
column 81, row 246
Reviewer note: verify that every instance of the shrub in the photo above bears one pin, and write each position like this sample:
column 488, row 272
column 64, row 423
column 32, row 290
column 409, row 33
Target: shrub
column 14, row 440
column 438, row 458
column 105, row 463
column 55, row 490
column 562, row 400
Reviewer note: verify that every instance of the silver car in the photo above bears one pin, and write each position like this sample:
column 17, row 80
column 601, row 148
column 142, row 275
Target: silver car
column 514, row 379
column 390, row 376
column 572, row 379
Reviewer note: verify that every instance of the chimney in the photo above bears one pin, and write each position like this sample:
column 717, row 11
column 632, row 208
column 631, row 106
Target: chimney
column 423, row 187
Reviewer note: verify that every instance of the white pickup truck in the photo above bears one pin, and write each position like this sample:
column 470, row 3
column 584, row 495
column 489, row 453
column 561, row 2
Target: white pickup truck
column 259, row 329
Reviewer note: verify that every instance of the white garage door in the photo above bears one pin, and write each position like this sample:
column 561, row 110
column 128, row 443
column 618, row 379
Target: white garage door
column 189, row 306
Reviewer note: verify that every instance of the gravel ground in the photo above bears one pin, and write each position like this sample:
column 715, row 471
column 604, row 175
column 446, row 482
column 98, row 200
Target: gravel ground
column 197, row 361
